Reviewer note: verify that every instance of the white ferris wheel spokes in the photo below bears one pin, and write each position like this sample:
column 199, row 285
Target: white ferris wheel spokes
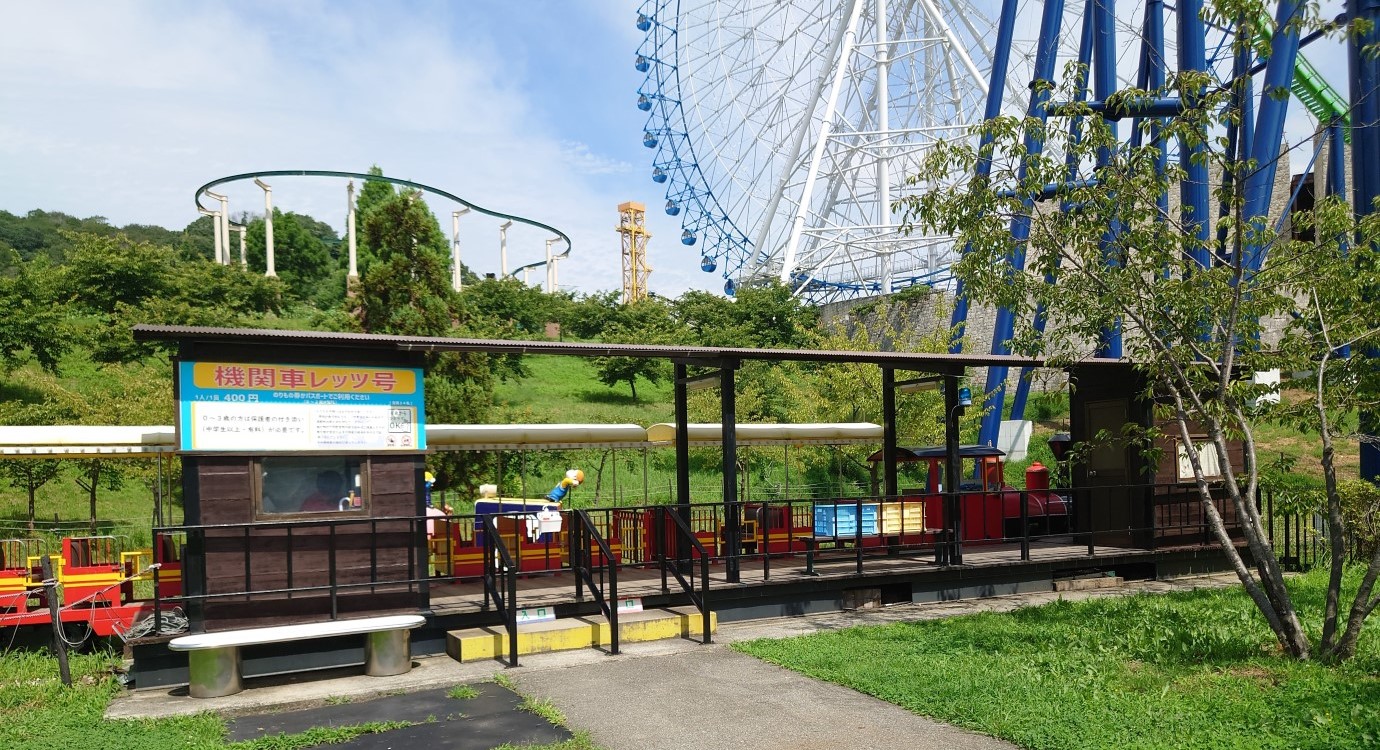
column 784, row 130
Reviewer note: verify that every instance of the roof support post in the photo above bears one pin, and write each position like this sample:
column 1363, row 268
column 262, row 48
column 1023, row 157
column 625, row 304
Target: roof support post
column 733, row 533
column 952, row 470
column 682, row 499
column 889, row 484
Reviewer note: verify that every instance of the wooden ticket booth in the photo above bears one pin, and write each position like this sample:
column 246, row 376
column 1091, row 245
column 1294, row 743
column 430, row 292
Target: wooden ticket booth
column 303, row 466
column 1130, row 494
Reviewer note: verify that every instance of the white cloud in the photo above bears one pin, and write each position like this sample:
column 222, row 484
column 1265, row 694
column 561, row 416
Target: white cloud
column 579, row 156
column 123, row 109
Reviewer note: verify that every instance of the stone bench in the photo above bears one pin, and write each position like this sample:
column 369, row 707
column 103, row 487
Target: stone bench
column 213, row 659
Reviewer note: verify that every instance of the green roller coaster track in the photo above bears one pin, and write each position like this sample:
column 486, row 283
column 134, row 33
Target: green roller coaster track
column 1310, row 88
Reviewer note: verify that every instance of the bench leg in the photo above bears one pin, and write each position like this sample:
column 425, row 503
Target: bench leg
column 388, row 652
column 214, row 672
column 810, row 560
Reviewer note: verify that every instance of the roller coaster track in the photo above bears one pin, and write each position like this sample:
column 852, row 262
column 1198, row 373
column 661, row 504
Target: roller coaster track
column 395, row 181
column 1309, row 87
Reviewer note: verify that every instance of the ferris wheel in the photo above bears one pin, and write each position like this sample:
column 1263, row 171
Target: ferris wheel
column 784, row 129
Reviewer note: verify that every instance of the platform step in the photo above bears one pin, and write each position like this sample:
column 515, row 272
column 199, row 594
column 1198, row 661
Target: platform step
column 567, row 633
column 1085, row 584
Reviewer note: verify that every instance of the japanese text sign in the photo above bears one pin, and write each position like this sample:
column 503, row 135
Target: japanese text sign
column 230, row 406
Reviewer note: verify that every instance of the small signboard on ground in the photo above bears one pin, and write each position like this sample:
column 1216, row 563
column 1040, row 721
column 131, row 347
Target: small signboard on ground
column 536, row 614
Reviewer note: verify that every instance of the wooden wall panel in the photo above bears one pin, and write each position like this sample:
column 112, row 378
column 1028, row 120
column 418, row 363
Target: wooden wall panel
column 364, row 552
column 226, row 490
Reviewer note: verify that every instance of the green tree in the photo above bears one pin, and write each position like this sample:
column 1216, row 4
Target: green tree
column 29, row 475
column 772, row 318
column 303, row 253
column 588, row 316
column 372, row 194
column 407, row 291
column 708, row 319
column 645, row 322
column 516, row 309
column 33, row 321
column 93, row 475
column 104, row 272
column 1121, row 260
column 766, row 316
column 197, row 240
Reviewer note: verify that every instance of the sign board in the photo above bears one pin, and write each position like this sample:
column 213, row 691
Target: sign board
column 536, row 614
column 629, row 605
column 1013, row 438
column 264, row 408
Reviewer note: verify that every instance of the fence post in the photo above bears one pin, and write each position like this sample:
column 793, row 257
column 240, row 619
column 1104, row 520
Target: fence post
column 55, row 611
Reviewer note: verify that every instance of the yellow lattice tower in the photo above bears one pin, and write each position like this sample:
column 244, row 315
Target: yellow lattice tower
column 632, row 227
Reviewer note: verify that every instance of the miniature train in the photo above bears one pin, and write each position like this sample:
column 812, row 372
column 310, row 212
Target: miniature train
column 101, row 584
column 990, row 513
column 111, row 588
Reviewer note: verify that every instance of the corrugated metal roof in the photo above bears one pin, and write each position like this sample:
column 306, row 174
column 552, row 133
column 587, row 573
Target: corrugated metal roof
column 708, row 356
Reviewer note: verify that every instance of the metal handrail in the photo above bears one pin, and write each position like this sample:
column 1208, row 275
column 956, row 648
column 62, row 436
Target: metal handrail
column 495, row 552
column 700, row 600
column 581, row 561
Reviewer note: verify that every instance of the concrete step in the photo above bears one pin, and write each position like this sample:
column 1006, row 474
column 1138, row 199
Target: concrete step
column 1085, row 584
column 567, row 633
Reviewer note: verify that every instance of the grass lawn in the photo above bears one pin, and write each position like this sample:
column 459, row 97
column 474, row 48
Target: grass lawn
column 1190, row 670
column 567, row 390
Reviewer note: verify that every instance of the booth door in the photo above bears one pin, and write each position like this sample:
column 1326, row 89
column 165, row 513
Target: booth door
column 1111, row 513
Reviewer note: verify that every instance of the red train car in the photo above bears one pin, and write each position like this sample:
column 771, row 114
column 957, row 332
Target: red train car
column 98, row 582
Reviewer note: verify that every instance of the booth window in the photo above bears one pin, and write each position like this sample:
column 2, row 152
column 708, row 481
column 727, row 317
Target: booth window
column 298, row 485
column 1207, row 459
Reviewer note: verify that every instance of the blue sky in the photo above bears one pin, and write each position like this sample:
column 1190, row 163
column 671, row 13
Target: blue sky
column 122, row 109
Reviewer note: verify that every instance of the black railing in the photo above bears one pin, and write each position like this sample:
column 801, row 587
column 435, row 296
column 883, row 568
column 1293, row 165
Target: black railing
column 584, row 540
column 340, row 560
column 278, row 555
column 1300, row 540
column 500, row 584
column 670, row 531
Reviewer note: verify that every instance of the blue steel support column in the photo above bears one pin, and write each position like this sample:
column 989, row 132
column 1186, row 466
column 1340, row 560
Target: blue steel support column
column 1104, row 85
column 1336, row 160
column 1336, row 182
column 1365, row 162
column 1075, row 137
column 1006, row 28
column 1193, row 192
column 1269, row 129
column 1154, row 28
column 1239, row 135
column 1046, row 54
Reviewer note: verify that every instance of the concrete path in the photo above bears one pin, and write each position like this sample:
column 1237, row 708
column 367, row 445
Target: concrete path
column 672, row 694
column 718, row 699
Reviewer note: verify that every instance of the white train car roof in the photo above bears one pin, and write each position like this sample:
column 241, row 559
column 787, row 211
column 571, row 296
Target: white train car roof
column 85, row 441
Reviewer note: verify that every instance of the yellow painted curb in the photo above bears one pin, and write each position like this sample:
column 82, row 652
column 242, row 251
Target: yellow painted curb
column 477, row 644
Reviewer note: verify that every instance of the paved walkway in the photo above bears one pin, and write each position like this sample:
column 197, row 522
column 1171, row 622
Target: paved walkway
column 674, row 694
